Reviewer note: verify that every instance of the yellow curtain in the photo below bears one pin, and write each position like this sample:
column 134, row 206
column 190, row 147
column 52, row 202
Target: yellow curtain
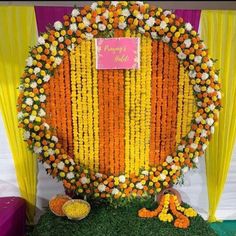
column 18, row 31
column 218, row 30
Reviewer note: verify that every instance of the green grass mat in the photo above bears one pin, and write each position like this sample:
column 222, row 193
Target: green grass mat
column 107, row 221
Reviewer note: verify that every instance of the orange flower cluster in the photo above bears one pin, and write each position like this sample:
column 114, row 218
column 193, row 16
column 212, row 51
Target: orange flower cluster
column 163, row 102
column 170, row 203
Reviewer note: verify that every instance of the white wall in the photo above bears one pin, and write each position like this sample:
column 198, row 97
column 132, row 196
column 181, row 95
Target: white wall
column 193, row 192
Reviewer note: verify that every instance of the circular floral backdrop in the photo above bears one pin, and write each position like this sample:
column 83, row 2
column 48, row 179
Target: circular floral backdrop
column 119, row 133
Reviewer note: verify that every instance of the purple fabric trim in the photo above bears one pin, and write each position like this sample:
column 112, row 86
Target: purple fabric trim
column 191, row 16
column 48, row 15
column 12, row 216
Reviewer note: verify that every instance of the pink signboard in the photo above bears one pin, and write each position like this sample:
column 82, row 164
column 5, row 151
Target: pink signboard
column 117, row 53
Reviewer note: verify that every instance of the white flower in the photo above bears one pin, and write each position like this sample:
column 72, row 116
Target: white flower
column 122, row 25
column 106, row 14
column 75, row 12
column 29, row 61
column 46, row 125
column 53, row 48
column 193, row 146
column 212, row 129
column 219, row 94
column 169, row 159
column 204, row 76
column 55, row 139
column 141, row 30
column 210, row 90
column 42, row 98
column 98, row 175
column 73, row 27
column 97, row 19
column 94, row 6
column 41, row 113
column 61, row 39
column 162, row 177
column 197, row 88
column 114, row 3
column 32, row 118
column 58, row 60
column 199, row 104
column 195, row 160
column 140, row 3
column 70, row 175
column 33, row 85
column 58, row 25
column 198, row 59
column 174, row 167
column 163, row 25
column 210, row 121
column 101, row 27
column 181, row 56
column 122, row 178
column 187, row 43
column 51, row 152
column 38, row 150
column 145, row 172
column 185, row 169
column 29, row 101
column 151, row 21
column 71, row 47
column 125, row 12
column 72, row 162
column 209, row 63
column 191, row 134
column 139, row 16
column 101, row 187
column 166, row 13
column 84, row 180
column 204, row 146
column 192, row 74
column 115, row 191
column 199, row 119
column 60, row 165
column 203, row 133
column 20, row 115
column 215, row 77
column 88, row 36
column 41, row 40
column 37, row 70
column 139, row 185
column 188, row 26
column 26, row 135
column 154, row 35
column 181, row 147
column 46, row 165
column 86, row 21
column 212, row 107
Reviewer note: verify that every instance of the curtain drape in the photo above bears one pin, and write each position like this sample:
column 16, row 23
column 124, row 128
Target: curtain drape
column 191, row 16
column 18, row 31
column 48, row 15
column 218, row 30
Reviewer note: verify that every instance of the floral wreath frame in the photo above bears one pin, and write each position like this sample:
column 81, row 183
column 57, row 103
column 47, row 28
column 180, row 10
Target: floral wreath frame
column 100, row 19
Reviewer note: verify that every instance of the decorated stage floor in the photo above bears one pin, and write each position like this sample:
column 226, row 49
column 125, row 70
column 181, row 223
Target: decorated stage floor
column 106, row 221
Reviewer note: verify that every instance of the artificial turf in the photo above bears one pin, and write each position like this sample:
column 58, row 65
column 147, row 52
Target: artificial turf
column 105, row 220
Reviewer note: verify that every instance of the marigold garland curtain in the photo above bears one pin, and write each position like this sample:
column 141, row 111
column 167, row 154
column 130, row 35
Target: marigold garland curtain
column 18, row 31
column 218, row 30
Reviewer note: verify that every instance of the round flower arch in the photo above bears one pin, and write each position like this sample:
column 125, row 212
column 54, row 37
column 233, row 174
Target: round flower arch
column 100, row 19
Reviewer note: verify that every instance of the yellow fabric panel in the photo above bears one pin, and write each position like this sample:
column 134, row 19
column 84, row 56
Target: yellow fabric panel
column 18, row 31
column 218, row 30
column 138, row 110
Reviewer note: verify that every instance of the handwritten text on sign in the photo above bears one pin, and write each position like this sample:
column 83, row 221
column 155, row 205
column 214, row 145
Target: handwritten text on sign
column 117, row 53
